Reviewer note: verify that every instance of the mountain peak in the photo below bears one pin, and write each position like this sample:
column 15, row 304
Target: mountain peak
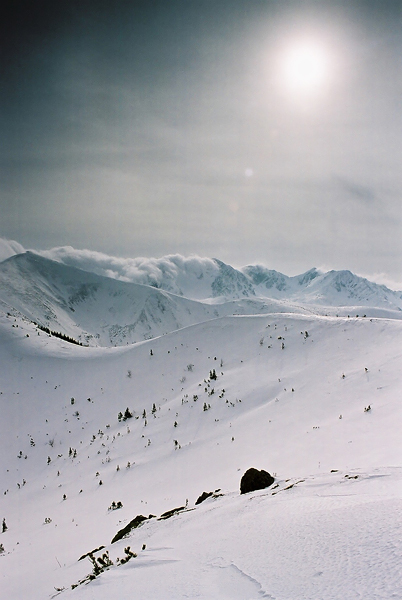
column 308, row 276
column 230, row 282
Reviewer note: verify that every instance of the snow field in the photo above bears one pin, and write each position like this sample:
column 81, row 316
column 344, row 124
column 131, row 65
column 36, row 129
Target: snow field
column 326, row 537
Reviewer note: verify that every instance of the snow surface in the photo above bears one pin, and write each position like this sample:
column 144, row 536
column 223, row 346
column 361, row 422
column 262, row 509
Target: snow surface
column 290, row 397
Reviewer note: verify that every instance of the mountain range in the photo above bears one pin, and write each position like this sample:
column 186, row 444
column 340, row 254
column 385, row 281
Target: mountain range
column 99, row 310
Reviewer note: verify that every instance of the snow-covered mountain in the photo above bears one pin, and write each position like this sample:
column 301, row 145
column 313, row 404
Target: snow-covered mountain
column 193, row 277
column 91, row 308
column 204, row 278
column 98, row 310
column 334, row 288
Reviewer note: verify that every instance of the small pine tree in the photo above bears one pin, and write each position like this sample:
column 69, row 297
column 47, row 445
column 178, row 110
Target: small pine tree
column 127, row 414
column 95, row 567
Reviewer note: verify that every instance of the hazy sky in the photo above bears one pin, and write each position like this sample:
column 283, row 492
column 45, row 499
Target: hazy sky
column 149, row 128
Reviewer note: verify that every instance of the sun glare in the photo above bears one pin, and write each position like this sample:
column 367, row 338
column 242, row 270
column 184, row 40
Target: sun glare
column 305, row 67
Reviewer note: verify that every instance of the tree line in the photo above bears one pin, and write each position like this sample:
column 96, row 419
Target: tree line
column 62, row 336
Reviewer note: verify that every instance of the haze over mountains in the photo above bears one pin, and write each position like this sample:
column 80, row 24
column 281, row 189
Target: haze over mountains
column 175, row 293
column 231, row 369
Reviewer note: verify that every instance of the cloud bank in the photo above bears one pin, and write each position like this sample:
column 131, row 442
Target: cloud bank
column 9, row 248
column 172, row 272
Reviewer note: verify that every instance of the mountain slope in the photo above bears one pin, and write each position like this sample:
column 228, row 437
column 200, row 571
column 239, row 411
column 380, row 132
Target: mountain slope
column 193, row 277
column 283, row 382
column 95, row 309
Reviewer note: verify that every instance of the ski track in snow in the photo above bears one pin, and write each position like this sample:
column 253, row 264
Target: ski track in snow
column 233, row 583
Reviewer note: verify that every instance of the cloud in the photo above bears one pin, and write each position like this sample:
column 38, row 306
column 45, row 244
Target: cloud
column 9, row 248
column 167, row 272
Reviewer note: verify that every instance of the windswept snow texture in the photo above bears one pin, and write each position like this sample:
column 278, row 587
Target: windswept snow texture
column 310, row 393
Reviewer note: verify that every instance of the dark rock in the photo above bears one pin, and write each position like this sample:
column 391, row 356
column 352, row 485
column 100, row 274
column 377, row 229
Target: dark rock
column 170, row 513
column 132, row 525
column 255, row 480
column 203, row 497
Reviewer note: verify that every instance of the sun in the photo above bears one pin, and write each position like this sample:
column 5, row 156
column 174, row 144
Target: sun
column 305, row 67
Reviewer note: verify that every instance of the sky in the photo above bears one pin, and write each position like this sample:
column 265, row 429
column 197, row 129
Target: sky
column 254, row 131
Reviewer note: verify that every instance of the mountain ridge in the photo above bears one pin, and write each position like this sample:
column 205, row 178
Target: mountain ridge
column 100, row 310
column 245, row 280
